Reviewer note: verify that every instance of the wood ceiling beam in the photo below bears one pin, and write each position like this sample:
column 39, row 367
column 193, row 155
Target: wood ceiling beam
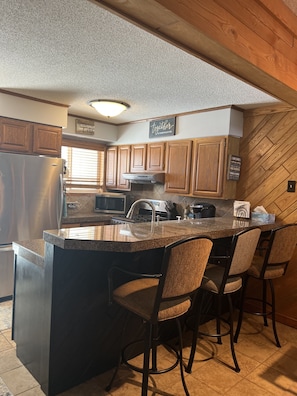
column 253, row 40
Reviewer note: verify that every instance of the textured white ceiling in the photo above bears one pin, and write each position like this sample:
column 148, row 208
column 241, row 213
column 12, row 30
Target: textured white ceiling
column 71, row 52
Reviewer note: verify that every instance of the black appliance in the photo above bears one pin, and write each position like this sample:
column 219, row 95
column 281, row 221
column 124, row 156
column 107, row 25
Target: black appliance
column 110, row 203
column 164, row 211
column 203, row 210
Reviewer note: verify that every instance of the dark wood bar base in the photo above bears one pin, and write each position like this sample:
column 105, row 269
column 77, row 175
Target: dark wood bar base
column 64, row 328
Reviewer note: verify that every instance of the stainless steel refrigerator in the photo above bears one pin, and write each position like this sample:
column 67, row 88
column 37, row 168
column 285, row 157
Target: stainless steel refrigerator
column 31, row 199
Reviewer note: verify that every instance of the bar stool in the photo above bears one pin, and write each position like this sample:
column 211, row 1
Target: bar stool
column 223, row 277
column 162, row 297
column 273, row 264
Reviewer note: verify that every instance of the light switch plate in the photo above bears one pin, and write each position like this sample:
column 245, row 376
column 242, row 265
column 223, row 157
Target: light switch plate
column 291, row 186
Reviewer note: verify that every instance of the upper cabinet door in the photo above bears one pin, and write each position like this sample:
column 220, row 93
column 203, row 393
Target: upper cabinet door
column 138, row 158
column 178, row 166
column 15, row 136
column 123, row 167
column 155, row 157
column 208, row 167
column 111, row 167
column 47, row 140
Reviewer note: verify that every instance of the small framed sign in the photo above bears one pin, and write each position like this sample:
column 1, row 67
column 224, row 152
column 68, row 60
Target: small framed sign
column 234, row 166
column 162, row 128
column 84, row 127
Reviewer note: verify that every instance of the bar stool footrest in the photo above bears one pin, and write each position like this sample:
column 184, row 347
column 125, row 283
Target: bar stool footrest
column 151, row 370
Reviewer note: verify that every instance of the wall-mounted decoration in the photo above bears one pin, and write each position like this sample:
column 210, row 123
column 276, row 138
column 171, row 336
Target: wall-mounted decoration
column 162, row 128
column 234, row 165
column 84, row 127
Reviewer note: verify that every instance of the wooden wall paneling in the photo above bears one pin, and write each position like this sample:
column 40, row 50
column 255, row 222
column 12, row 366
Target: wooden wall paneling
column 281, row 123
column 280, row 152
column 280, row 11
column 265, row 192
column 291, row 163
column 268, row 150
column 256, row 17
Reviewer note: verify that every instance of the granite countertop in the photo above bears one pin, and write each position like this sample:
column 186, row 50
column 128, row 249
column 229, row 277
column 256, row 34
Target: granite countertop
column 33, row 251
column 133, row 237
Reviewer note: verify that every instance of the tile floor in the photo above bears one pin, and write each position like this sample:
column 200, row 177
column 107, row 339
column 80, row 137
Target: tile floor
column 265, row 369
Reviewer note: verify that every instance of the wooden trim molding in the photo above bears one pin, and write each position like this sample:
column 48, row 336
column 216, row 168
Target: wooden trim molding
column 32, row 98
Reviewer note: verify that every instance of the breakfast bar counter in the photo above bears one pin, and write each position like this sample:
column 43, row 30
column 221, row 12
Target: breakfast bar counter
column 64, row 328
column 132, row 237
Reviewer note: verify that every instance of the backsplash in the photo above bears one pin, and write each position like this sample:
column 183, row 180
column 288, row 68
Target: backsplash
column 84, row 203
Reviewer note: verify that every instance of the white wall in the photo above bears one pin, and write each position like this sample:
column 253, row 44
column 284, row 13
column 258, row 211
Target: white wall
column 103, row 132
column 32, row 110
column 221, row 122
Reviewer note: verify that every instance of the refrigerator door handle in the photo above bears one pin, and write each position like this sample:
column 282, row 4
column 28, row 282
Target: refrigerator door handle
column 61, row 197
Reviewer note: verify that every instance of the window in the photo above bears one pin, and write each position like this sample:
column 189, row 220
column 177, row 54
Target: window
column 85, row 166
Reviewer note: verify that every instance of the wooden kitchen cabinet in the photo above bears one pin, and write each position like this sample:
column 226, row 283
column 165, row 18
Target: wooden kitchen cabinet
column 178, row 166
column 155, row 157
column 147, row 157
column 199, row 168
column 47, row 140
column 117, row 163
column 138, row 157
column 208, row 167
column 111, row 167
column 30, row 138
column 123, row 167
column 15, row 136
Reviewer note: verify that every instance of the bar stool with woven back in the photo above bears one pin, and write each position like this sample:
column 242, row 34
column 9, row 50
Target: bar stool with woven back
column 162, row 297
column 223, row 277
column 271, row 264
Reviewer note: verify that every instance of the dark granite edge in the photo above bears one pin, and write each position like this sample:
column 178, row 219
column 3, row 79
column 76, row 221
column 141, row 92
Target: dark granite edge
column 32, row 251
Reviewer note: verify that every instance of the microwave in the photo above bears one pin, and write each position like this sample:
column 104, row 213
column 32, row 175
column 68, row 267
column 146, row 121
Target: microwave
column 110, row 203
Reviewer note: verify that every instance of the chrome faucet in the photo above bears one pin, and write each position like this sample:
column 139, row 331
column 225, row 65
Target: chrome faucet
column 131, row 210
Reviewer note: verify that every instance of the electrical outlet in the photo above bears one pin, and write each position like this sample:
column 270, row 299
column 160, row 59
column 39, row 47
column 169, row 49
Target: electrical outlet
column 291, row 186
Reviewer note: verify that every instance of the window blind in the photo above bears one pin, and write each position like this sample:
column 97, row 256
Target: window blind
column 85, row 167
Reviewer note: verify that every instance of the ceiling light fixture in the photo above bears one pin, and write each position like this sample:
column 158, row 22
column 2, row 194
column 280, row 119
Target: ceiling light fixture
column 108, row 108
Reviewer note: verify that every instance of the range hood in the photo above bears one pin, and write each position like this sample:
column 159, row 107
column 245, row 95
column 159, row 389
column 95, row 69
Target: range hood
column 144, row 178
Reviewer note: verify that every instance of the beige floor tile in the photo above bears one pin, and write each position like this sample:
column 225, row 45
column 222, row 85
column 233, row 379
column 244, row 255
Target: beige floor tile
column 19, row 380
column 289, row 349
column 246, row 364
column 247, row 388
column 255, row 348
column 32, row 392
column 286, row 364
column 272, row 380
column 195, row 388
column 7, row 334
column 217, row 376
column 8, row 361
column 253, row 328
column 4, row 343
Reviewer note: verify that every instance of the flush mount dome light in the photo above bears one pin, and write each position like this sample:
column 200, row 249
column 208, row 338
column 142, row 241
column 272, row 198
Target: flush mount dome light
column 108, row 108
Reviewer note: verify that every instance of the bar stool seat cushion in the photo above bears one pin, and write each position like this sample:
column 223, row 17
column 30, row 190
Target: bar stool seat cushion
column 271, row 272
column 213, row 277
column 138, row 296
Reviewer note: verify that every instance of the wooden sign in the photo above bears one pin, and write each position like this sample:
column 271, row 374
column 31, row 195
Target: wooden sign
column 84, row 127
column 162, row 128
column 234, row 165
